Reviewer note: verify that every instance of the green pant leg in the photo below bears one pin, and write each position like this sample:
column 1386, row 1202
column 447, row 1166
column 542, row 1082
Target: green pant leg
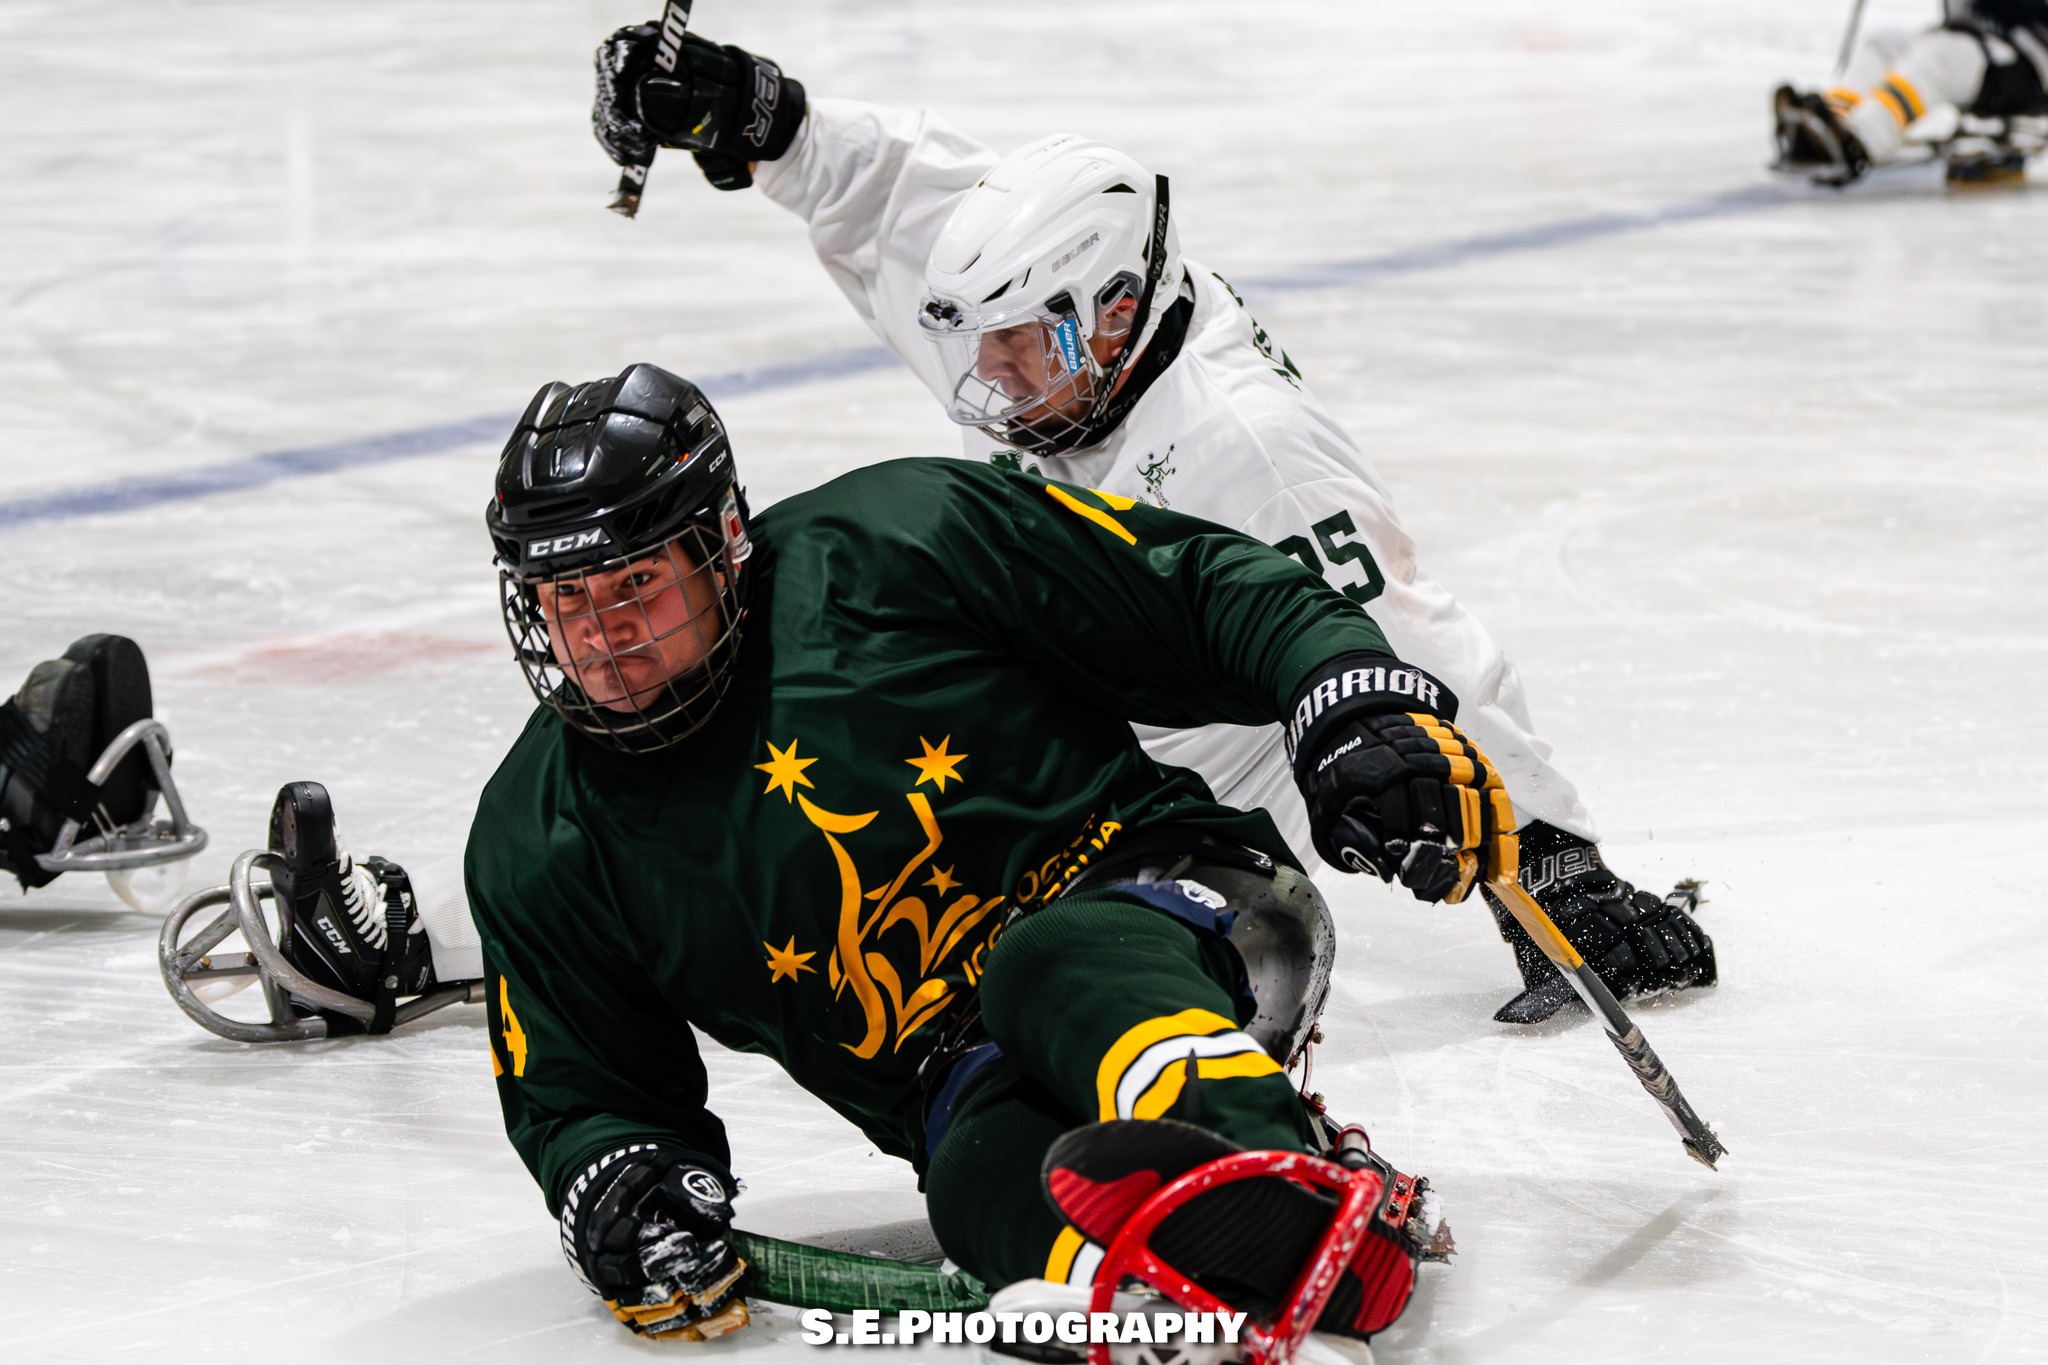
column 982, row 1189
column 1102, row 1000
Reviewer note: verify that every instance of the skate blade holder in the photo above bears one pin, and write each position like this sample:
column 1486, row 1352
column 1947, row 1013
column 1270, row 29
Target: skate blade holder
column 191, row 966
column 120, row 850
column 1131, row 1255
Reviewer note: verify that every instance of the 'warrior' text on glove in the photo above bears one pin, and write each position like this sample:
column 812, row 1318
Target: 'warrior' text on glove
column 1392, row 786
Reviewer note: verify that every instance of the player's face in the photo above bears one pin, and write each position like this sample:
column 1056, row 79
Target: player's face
column 1020, row 361
column 623, row 634
column 1024, row 361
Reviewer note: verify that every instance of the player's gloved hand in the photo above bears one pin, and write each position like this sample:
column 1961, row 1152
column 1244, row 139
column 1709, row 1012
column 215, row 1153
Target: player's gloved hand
column 725, row 105
column 645, row 1226
column 622, row 60
column 1392, row 786
column 1637, row 942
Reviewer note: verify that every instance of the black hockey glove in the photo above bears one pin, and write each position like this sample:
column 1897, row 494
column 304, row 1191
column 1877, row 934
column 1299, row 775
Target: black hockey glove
column 645, row 1227
column 622, row 60
column 1392, row 786
column 725, row 105
column 1636, row 942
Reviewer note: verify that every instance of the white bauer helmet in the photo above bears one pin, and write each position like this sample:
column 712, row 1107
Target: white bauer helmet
column 1029, row 270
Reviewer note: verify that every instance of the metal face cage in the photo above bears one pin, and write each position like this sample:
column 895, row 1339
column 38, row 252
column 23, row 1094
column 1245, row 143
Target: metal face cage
column 635, row 651
column 1032, row 371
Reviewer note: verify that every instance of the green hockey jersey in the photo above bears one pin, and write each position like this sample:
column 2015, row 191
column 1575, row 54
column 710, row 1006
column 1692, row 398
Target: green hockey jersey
column 928, row 731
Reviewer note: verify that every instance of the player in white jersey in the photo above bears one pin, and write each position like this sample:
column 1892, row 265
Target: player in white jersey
column 1042, row 298
column 1974, row 86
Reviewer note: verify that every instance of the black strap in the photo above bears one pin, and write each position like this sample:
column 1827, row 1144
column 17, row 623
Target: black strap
column 397, row 921
column 55, row 779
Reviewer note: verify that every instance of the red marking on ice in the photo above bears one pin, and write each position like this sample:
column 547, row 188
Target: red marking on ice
column 340, row 656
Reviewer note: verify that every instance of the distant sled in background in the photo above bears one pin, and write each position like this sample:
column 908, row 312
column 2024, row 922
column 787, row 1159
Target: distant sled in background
column 1971, row 93
column 83, row 768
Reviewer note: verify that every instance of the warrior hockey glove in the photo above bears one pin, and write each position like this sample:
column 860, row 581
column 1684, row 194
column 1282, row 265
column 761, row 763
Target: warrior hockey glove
column 645, row 1227
column 1636, row 942
column 1392, row 786
column 724, row 104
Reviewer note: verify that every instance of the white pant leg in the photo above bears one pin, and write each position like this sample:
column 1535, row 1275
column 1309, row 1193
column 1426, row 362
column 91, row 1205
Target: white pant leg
column 443, row 901
column 1941, row 68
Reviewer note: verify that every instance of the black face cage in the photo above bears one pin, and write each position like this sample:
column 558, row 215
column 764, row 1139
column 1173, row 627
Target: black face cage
column 661, row 714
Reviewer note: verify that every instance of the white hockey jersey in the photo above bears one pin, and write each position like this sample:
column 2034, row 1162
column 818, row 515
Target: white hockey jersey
column 1229, row 433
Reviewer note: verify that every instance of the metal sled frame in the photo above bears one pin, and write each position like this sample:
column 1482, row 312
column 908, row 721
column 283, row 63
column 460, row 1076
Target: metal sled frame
column 282, row 983
column 147, row 841
column 1131, row 1254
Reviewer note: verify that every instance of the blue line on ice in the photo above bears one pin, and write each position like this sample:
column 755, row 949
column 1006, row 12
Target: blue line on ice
column 253, row 471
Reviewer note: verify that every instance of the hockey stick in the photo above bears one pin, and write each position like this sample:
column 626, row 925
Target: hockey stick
column 1700, row 1142
column 815, row 1277
column 675, row 19
column 1849, row 38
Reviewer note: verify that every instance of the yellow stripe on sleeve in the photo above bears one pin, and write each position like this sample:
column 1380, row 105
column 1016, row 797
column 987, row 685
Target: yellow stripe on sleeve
column 1094, row 514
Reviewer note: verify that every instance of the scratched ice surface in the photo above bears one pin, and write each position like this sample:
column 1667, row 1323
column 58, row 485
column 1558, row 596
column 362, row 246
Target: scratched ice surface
column 1752, row 482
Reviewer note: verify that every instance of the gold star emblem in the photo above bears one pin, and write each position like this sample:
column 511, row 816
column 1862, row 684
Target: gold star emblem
column 942, row 880
column 786, row 771
column 937, row 766
column 787, row 963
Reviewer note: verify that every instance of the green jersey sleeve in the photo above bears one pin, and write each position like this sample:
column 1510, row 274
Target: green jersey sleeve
column 588, row 1052
column 1157, row 617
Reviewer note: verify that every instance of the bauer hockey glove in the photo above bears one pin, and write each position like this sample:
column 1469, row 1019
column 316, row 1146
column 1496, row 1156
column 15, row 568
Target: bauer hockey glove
column 645, row 1227
column 1638, row 942
column 1392, row 786
column 725, row 105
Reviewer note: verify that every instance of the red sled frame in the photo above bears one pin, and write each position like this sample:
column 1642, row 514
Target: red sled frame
column 1131, row 1255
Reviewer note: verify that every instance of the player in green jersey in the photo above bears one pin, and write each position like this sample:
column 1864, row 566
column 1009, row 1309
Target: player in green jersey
column 853, row 785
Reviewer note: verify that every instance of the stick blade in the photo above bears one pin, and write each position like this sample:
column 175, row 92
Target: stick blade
column 1705, row 1149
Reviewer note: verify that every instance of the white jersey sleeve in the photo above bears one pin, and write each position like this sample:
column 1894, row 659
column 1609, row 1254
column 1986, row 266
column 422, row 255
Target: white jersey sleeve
column 876, row 185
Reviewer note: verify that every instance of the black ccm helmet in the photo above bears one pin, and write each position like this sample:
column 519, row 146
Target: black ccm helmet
column 620, row 530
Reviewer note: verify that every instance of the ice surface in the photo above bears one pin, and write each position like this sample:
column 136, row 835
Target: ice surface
column 1754, row 490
